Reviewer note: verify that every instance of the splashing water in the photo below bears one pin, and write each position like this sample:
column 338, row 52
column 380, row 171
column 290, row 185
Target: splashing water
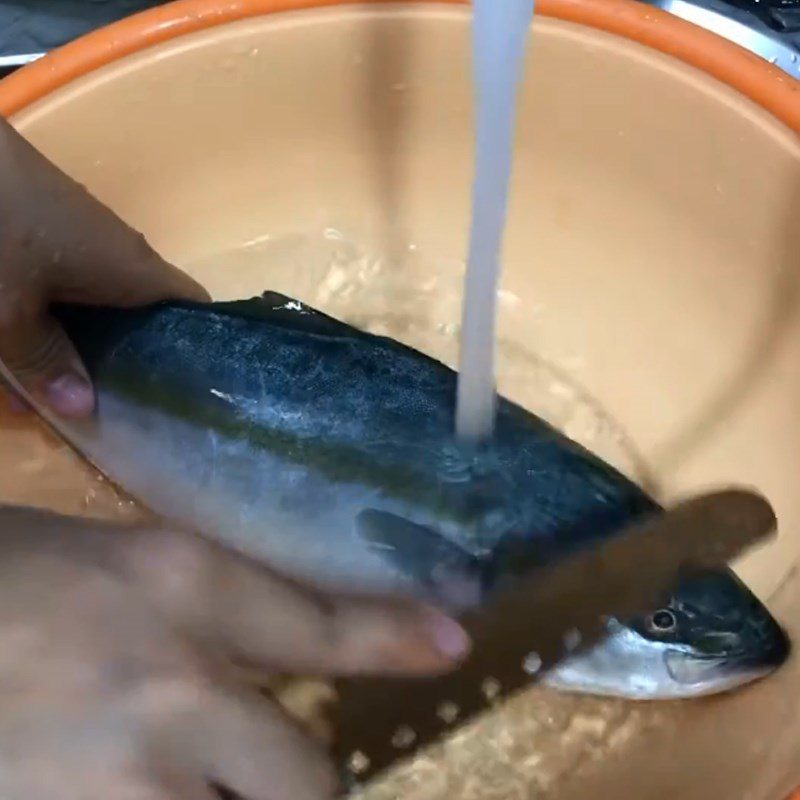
column 500, row 32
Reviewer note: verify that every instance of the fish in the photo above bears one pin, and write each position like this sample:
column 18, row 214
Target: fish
column 329, row 453
column 712, row 637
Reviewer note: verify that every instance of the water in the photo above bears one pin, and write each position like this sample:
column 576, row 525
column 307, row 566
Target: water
column 38, row 469
column 500, row 33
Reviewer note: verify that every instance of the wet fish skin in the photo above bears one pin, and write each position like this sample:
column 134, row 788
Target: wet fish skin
column 291, row 436
column 296, row 418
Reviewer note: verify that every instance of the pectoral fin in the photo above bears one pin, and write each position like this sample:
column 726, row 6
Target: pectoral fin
column 442, row 569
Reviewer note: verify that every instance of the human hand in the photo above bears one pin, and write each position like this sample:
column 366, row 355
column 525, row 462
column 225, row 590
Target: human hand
column 59, row 244
column 116, row 665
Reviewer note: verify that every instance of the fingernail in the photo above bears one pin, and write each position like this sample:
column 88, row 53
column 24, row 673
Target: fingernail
column 70, row 396
column 450, row 638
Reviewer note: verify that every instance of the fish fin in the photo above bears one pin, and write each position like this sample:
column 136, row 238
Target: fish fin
column 271, row 307
column 288, row 312
column 449, row 573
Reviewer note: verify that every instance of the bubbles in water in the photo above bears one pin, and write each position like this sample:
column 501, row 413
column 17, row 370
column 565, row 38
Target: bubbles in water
column 454, row 468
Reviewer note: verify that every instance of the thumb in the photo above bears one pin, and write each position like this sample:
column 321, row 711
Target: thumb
column 41, row 357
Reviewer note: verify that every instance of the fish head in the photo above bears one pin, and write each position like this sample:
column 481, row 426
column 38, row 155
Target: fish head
column 713, row 636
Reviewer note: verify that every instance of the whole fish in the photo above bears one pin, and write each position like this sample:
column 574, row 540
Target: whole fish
column 330, row 453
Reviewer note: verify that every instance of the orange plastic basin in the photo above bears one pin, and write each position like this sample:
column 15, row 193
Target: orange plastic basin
column 652, row 253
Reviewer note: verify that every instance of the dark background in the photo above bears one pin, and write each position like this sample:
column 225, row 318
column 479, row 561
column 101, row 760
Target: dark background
column 36, row 26
column 30, row 26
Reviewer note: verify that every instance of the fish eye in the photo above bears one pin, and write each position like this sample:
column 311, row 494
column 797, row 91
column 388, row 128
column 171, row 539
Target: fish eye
column 663, row 621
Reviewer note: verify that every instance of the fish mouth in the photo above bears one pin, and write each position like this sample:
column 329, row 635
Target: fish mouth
column 728, row 670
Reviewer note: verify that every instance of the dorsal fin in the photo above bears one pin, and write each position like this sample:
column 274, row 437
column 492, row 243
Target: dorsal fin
column 286, row 311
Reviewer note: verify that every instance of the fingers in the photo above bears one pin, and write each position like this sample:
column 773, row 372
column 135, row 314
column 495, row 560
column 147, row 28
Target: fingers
column 173, row 783
column 41, row 357
column 180, row 789
column 47, row 771
column 245, row 609
column 77, row 248
column 127, row 704
column 174, row 787
column 59, row 243
column 250, row 746
column 261, row 617
column 117, row 267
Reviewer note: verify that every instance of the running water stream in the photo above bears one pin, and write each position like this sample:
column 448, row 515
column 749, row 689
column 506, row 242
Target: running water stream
column 500, row 33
